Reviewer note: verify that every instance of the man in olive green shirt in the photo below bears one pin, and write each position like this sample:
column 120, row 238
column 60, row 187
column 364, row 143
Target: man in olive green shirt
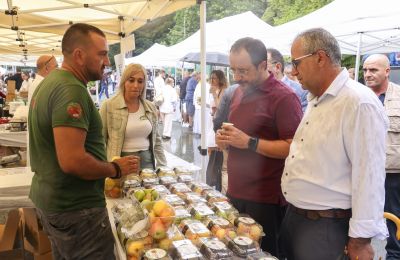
column 67, row 151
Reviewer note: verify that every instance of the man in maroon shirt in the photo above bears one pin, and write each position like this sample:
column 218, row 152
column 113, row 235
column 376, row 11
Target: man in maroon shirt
column 265, row 114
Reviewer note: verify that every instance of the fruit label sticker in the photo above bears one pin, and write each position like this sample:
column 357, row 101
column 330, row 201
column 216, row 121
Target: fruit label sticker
column 167, row 180
column 186, row 249
column 156, row 253
column 161, row 189
column 221, row 222
column 242, row 241
column 185, row 178
column 174, row 199
column 203, row 210
column 198, row 228
column 181, row 212
column 223, row 205
column 74, row 110
column 245, row 220
column 215, row 245
column 194, row 197
column 181, row 187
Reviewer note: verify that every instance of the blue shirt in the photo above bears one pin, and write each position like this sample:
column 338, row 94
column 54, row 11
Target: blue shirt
column 300, row 92
column 190, row 88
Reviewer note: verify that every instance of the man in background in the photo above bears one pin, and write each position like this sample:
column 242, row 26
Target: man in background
column 182, row 95
column 17, row 77
column 44, row 65
column 376, row 70
column 276, row 66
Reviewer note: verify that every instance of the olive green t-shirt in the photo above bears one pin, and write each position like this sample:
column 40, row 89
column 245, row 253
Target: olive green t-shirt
column 62, row 100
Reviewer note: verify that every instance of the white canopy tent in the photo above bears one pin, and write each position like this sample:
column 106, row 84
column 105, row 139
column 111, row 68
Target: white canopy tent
column 39, row 25
column 157, row 55
column 358, row 25
column 220, row 35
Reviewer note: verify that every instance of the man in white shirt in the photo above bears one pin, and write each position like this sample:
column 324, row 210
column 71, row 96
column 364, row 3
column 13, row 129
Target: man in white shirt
column 44, row 64
column 159, row 83
column 376, row 75
column 335, row 172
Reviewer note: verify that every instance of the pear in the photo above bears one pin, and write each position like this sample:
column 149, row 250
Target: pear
column 139, row 195
column 154, row 195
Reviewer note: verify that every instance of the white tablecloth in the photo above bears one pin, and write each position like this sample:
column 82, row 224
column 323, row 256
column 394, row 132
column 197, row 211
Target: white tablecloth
column 14, row 139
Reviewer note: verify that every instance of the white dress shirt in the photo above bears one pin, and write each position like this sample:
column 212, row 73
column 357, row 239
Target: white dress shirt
column 337, row 157
column 33, row 86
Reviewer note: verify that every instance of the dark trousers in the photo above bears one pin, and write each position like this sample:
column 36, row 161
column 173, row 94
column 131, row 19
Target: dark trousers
column 269, row 216
column 392, row 205
column 306, row 239
column 83, row 234
column 213, row 173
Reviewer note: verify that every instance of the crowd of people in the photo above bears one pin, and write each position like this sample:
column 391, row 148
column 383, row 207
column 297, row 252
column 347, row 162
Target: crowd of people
column 308, row 152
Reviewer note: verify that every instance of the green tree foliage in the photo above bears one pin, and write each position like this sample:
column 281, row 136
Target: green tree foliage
column 282, row 11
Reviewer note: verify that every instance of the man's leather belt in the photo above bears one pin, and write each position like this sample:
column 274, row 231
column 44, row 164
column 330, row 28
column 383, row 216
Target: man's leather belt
column 317, row 214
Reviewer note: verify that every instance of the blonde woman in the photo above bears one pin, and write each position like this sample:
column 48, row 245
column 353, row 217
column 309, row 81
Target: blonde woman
column 130, row 121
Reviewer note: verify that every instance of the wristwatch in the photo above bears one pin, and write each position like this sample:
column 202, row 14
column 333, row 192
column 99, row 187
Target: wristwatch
column 252, row 144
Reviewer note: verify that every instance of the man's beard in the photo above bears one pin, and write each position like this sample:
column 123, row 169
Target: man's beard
column 95, row 75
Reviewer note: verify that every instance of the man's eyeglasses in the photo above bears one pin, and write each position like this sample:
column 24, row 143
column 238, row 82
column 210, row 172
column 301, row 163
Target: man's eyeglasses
column 297, row 61
column 48, row 61
column 239, row 72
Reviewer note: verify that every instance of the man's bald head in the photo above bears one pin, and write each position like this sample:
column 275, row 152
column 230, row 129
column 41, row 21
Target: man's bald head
column 376, row 72
column 382, row 59
column 45, row 64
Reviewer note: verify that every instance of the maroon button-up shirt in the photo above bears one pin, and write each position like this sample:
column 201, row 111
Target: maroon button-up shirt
column 271, row 111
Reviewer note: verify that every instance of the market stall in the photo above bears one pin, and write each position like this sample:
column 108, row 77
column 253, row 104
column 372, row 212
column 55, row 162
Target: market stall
column 166, row 214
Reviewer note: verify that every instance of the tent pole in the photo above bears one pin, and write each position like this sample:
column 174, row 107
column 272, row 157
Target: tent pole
column 122, row 46
column 203, row 89
column 358, row 56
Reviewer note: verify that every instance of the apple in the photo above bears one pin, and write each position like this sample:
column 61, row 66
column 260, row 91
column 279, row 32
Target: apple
column 232, row 234
column 167, row 216
column 115, row 192
column 135, row 248
column 255, row 232
column 220, row 233
column 159, row 206
column 157, row 230
column 165, row 244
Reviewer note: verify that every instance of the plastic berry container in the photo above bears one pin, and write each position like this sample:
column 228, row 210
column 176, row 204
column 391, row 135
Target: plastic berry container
column 214, row 249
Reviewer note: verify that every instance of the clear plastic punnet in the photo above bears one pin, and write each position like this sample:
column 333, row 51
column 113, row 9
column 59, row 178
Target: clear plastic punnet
column 247, row 226
column 243, row 246
column 214, row 249
column 226, row 210
column 185, row 250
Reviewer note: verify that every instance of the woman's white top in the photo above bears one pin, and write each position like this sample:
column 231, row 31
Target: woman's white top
column 137, row 131
column 25, row 85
